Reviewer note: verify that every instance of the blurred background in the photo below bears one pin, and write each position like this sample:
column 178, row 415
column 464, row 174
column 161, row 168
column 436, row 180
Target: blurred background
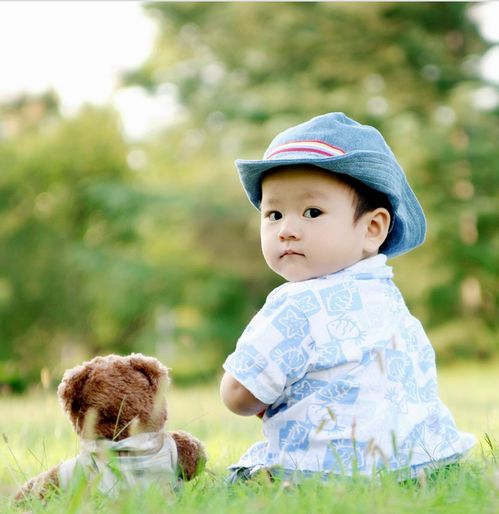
column 123, row 226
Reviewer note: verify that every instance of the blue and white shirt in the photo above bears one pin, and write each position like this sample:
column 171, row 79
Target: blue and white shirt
column 349, row 376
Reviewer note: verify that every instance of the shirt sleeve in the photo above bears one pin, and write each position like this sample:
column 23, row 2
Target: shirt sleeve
column 274, row 350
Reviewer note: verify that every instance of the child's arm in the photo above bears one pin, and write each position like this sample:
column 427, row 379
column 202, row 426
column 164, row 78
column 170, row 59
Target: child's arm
column 238, row 399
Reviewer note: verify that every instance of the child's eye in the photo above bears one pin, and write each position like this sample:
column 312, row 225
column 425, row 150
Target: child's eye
column 312, row 213
column 274, row 215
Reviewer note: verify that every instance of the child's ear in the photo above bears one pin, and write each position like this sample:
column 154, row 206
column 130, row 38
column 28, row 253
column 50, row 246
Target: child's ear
column 377, row 225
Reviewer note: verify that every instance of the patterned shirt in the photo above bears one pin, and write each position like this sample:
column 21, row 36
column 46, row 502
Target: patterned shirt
column 349, row 376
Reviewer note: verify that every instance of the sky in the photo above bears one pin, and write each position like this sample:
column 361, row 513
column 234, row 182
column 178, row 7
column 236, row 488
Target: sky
column 79, row 49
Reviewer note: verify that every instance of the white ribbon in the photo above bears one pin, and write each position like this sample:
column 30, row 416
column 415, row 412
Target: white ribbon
column 140, row 459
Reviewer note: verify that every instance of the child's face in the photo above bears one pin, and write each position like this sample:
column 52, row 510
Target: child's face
column 307, row 224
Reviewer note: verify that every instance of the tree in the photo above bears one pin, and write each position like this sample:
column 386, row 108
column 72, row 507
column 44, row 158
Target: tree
column 108, row 245
column 243, row 72
column 72, row 278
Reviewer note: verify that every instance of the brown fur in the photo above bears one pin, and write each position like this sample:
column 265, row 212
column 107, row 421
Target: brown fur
column 40, row 485
column 123, row 392
column 191, row 456
column 114, row 397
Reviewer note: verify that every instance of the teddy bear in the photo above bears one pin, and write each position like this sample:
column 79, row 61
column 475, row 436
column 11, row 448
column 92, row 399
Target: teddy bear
column 118, row 409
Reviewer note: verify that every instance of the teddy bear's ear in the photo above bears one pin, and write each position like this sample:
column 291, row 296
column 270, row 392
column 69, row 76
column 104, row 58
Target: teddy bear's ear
column 153, row 370
column 71, row 388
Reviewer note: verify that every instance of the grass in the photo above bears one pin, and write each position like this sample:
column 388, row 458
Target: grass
column 36, row 435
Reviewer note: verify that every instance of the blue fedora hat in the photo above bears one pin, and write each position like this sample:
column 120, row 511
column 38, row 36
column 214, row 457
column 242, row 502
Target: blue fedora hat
column 339, row 144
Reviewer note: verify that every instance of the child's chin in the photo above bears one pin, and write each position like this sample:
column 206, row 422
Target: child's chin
column 292, row 274
column 298, row 277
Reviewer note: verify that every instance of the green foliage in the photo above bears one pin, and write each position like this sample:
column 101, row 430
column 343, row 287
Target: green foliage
column 50, row 233
column 94, row 258
column 99, row 254
column 243, row 72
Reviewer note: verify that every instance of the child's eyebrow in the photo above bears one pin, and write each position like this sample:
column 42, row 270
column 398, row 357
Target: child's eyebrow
column 313, row 194
column 273, row 200
column 270, row 200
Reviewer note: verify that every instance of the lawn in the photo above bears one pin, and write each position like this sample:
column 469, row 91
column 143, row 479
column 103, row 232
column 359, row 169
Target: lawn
column 36, row 435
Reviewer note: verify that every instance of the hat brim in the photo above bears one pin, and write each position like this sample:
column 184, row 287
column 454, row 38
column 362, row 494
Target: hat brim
column 373, row 169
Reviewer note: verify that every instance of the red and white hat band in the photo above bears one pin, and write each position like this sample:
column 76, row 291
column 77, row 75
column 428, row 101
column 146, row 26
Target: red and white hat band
column 318, row 147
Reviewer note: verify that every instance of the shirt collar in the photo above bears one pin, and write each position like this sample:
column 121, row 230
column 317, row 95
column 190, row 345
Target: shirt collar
column 372, row 267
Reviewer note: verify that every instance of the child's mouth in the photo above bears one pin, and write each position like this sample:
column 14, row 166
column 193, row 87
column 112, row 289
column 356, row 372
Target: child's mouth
column 289, row 253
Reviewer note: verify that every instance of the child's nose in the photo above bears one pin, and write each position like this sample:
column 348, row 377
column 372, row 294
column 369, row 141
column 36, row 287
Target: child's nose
column 289, row 229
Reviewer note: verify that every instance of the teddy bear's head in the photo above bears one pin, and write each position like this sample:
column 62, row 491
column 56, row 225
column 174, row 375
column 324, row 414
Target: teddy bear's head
column 114, row 397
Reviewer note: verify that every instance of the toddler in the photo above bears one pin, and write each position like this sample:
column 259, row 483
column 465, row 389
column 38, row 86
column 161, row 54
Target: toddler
column 341, row 373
